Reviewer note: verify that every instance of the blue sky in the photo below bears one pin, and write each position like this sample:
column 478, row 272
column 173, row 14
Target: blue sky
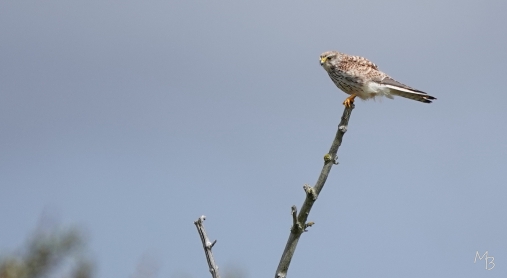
column 130, row 119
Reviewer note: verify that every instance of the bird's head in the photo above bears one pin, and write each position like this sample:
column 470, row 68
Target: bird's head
column 329, row 58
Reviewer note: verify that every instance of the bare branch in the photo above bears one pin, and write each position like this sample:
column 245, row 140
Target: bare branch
column 207, row 245
column 299, row 224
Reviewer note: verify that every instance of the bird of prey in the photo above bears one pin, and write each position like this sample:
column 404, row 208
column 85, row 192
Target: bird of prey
column 361, row 78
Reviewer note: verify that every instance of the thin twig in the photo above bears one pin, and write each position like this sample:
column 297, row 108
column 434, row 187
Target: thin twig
column 207, row 245
column 299, row 226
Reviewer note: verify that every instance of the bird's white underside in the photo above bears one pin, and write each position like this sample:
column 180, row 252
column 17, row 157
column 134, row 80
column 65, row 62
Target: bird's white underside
column 379, row 90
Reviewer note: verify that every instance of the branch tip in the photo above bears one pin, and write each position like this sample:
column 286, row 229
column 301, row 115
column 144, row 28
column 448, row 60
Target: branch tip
column 293, row 209
column 200, row 220
column 309, row 224
column 296, row 226
column 294, row 212
column 213, row 244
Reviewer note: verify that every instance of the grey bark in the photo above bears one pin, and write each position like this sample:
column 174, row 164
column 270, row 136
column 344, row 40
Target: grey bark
column 299, row 224
column 207, row 245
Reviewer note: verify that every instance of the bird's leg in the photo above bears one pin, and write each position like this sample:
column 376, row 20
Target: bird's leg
column 349, row 101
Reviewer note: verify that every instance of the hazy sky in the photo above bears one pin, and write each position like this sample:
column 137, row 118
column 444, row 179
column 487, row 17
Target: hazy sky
column 130, row 119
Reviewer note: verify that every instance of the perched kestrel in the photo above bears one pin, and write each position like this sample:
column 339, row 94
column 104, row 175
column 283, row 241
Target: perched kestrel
column 361, row 78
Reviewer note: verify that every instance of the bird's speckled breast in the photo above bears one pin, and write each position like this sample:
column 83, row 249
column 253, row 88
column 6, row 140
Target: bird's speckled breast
column 347, row 83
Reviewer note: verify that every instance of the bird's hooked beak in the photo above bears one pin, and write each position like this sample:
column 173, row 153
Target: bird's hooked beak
column 322, row 60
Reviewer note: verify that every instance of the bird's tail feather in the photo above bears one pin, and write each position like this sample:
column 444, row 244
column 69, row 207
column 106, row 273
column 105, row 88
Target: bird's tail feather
column 402, row 90
column 411, row 94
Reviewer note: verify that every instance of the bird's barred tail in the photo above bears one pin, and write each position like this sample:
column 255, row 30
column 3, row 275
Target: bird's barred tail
column 402, row 90
column 422, row 97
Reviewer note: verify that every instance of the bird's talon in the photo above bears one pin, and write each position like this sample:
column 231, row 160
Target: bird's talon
column 349, row 101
